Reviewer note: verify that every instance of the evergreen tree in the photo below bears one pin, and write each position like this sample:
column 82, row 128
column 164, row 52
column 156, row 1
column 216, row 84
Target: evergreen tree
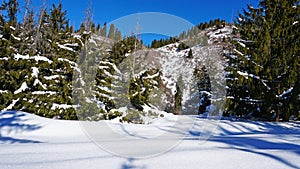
column 118, row 35
column 111, row 33
column 204, row 88
column 190, row 54
column 182, row 46
column 13, row 7
column 178, row 100
column 10, row 75
column 266, row 59
column 103, row 30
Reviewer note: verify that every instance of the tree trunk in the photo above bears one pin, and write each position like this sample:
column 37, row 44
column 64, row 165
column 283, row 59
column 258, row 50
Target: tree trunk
column 285, row 117
column 277, row 114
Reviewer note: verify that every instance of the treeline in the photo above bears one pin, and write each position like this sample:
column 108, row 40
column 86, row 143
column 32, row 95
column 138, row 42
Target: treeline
column 38, row 58
column 113, row 33
column 163, row 42
column 193, row 32
column 37, row 61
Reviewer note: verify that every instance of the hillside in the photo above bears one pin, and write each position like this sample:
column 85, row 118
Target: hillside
column 140, row 83
column 110, row 79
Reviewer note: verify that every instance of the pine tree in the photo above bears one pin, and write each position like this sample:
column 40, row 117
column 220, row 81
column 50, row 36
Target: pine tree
column 118, row 35
column 265, row 62
column 178, row 100
column 111, row 33
column 103, row 30
column 190, row 54
column 204, row 88
column 10, row 75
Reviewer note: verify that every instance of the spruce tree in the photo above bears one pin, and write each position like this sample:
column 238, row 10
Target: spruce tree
column 190, row 54
column 204, row 88
column 265, row 61
column 178, row 100
column 111, row 33
column 103, row 30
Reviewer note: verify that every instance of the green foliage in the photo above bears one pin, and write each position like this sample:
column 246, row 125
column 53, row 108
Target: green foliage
column 163, row 42
column 193, row 32
column 133, row 116
column 141, row 87
column 47, row 81
column 190, row 54
column 178, row 100
column 103, row 30
column 111, row 33
column 113, row 114
column 178, row 96
column 183, row 46
column 106, row 72
column 266, row 61
column 204, row 88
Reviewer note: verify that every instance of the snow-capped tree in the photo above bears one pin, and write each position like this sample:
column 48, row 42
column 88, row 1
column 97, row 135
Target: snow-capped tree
column 264, row 67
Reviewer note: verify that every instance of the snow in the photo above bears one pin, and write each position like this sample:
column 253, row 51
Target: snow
column 234, row 27
column 242, row 44
column 243, row 74
column 37, row 81
column 105, row 88
column 295, row 22
column 16, row 38
column 220, row 33
column 285, row 92
column 22, row 88
column 246, row 75
column 65, row 47
column 152, row 76
column 113, row 65
column 61, row 106
column 4, row 58
column 31, row 142
column 109, row 74
column 11, row 27
column 3, row 91
column 73, row 65
column 36, row 58
column 238, row 52
column 35, row 72
column 43, row 92
column 106, row 96
column 52, row 77
column 9, row 107
column 173, row 67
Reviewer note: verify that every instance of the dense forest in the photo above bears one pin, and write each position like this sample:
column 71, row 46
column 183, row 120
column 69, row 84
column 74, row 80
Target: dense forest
column 39, row 58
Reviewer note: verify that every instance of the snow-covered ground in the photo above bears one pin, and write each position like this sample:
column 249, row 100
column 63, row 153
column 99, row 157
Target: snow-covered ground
column 29, row 141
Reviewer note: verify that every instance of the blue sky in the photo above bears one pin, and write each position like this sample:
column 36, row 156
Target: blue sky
column 193, row 11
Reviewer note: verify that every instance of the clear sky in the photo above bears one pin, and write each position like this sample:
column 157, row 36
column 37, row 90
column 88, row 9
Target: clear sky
column 194, row 11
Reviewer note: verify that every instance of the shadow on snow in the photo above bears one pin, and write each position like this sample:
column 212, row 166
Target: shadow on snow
column 247, row 139
column 11, row 121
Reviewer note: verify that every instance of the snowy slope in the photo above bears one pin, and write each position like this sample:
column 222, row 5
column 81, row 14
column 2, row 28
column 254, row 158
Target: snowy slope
column 177, row 68
column 29, row 141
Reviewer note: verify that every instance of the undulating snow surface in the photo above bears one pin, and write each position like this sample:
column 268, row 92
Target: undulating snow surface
column 29, row 141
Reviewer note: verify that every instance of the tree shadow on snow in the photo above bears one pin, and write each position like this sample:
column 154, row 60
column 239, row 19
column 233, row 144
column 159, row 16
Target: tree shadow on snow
column 12, row 122
column 130, row 165
column 267, row 136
